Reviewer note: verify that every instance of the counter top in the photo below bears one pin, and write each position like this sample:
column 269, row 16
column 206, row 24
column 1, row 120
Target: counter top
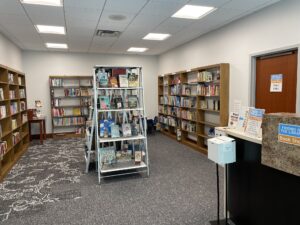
column 241, row 135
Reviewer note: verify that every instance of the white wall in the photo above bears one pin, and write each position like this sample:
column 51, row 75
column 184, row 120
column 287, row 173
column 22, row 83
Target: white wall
column 10, row 54
column 38, row 66
column 275, row 27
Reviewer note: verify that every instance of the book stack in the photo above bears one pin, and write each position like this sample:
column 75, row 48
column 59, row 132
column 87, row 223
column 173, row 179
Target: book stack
column 58, row 112
column 14, row 124
column 3, row 148
column 72, row 92
column 1, row 94
column 16, row 137
column 12, row 94
column 13, row 108
column 2, row 111
column 56, row 82
column 10, row 78
column 22, row 93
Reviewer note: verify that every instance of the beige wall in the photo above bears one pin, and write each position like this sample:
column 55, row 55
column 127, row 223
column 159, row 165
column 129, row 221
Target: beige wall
column 10, row 54
column 39, row 65
column 275, row 27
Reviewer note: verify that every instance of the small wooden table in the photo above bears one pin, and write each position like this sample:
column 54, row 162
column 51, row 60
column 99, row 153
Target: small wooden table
column 42, row 123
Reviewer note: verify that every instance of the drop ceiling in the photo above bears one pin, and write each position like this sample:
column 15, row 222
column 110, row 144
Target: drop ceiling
column 82, row 18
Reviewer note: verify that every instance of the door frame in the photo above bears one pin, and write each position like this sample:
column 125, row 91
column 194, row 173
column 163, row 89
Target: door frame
column 252, row 80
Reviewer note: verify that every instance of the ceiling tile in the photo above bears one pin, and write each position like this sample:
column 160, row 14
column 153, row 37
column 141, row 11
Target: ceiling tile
column 84, row 4
column 128, row 6
column 11, row 7
column 107, row 24
column 173, row 25
column 245, row 5
column 213, row 3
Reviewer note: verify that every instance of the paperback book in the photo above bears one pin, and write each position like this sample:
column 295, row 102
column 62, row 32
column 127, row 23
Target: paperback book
column 115, row 131
column 102, row 78
column 132, row 101
column 1, row 94
column 113, row 82
column 133, row 80
column 104, row 102
column 117, row 102
column 123, row 80
column 108, row 155
column 2, row 111
column 126, row 130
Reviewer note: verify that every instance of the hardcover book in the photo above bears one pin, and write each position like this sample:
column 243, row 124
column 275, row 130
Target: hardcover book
column 132, row 101
column 126, row 130
column 123, row 80
column 113, row 82
column 2, row 111
column 108, row 155
column 133, row 80
column 104, row 102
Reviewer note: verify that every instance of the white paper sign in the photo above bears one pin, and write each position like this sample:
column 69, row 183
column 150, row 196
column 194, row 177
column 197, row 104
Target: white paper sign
column 276, row 83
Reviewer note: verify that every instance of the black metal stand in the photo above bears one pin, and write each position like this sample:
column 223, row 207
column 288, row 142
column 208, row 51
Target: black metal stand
column 223, row 221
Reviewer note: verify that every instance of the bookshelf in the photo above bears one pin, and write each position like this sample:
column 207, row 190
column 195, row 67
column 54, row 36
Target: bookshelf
column 13, row 118
column 70, row 100
column 193, row 102
column 121, row 137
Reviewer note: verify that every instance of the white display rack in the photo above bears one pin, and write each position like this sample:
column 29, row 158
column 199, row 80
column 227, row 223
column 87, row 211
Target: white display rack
column 121, row 167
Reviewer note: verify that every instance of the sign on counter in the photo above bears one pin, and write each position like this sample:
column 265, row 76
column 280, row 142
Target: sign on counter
column 289, row 134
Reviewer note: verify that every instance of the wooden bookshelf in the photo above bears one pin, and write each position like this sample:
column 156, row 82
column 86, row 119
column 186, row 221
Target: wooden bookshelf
column 13, row 81
column 68, row 102
column 197, row 97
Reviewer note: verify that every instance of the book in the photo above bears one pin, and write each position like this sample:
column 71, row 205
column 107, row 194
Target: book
column 3, row 148
column 123, row 80
column 14, row 124
column 1, row 94
column 117, row 71
column 102, row 78
column 137, row 157
column 242, row 120
column 2, row 111
column 108, row 155
column 22, row 105
column 10, row 78
column 76, row 112
column 133, row 80
column 115, row 131
column 113, row 82
column 117, row 102
column 104, row 102
column 134, row 129
column 132, row 101
column 20, row 80
column 124, row 156
column 126, row 130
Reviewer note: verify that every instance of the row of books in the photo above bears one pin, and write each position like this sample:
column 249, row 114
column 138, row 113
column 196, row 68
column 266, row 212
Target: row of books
column 3, row 148
column 12, row 94
column 72, row 92
column 188, row 114
column 210, row 104
column 13, row 107
column 56, row 82
column 110, row 156
column 86, row 92
column 117, row 102
column 68, row 121
column 168, row 120
column 189, row 102
column 118, row 77
column 109, row 128
column 208, row 90
column 173, row 111
column 188, row 126
column 22, row 93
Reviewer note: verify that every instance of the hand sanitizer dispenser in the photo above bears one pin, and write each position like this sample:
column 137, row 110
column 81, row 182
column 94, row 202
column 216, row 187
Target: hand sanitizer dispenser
column 221, row 150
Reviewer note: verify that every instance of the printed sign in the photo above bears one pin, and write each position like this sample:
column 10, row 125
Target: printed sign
column 289, row 134
column 276, row 83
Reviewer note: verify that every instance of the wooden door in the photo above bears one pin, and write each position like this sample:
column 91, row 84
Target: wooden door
column 285, row 64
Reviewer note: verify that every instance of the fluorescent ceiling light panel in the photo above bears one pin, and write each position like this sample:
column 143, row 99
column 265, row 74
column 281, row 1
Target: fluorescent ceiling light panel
column 156, row 36
column 43, row 2
column 136, row 49
column 193, row 12
column 57, row 45
column 50, row 29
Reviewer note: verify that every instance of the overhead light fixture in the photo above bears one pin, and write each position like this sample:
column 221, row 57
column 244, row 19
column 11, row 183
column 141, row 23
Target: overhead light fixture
column 193, row 12
column 44, row 2
column 50, row 29
column 57, row 45
column 156, row 36
column 136, row 49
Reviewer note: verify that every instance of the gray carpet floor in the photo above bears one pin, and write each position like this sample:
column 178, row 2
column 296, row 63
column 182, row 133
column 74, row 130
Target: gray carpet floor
column 181, row 189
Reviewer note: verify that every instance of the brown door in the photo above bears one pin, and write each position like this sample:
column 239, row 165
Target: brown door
column 267, row 69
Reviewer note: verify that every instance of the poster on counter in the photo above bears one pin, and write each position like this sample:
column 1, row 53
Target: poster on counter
column 276, row 83
column 289, row 134
column 254, row 121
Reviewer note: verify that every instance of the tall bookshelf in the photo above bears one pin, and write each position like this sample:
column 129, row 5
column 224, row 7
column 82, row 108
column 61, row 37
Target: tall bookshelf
column 193, row 102
column 13, row 118
column 71, row 97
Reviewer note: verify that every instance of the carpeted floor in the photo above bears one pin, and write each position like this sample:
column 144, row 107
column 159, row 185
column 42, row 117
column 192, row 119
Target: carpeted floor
column 48, row 186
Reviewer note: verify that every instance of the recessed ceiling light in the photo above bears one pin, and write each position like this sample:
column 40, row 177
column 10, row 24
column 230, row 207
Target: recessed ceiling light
column 57, row 45
column 156, row 36
column 136, row 49
column 50, row 29
column 43, row 2
column 193, row 11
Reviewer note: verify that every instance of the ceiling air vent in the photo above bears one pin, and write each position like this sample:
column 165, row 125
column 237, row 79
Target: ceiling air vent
column 108, row 33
